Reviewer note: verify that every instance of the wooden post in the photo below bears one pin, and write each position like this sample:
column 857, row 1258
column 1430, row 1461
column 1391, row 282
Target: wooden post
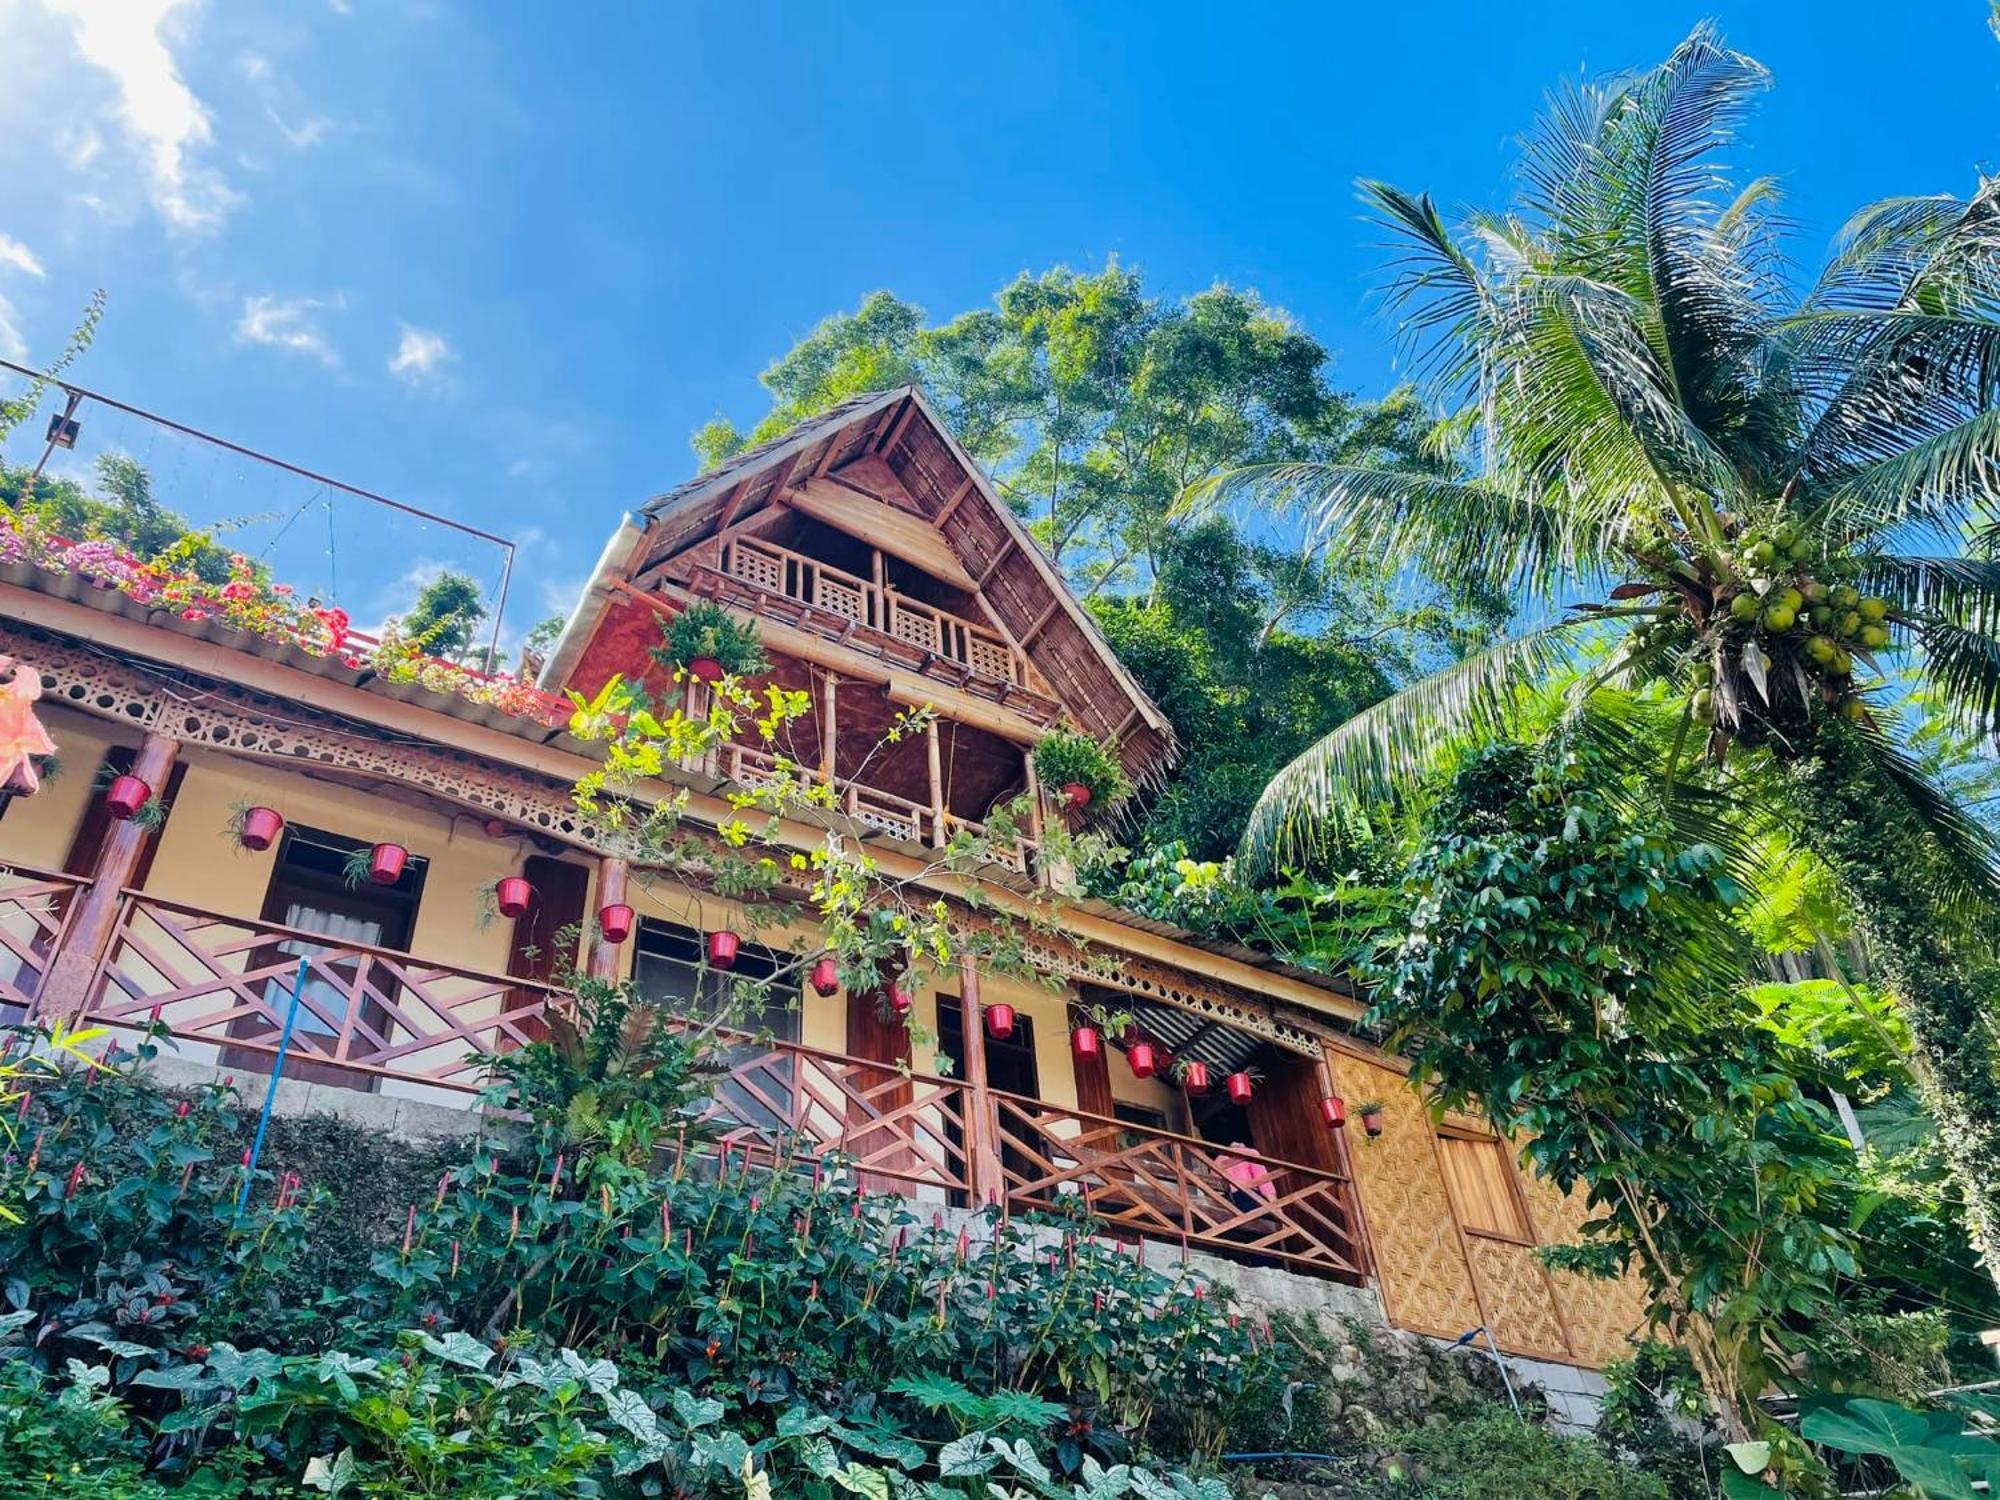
column 612, row 874
column 829, row 728
column 982, row 1157
column 937, row 785
column 66, row 988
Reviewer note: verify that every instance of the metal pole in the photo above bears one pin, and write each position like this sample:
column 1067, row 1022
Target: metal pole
column 500, row 609
column 271, row 1093
column 1493, row 1349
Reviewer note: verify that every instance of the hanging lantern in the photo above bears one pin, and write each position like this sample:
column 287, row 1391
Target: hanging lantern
column 1088, row 1044
column 1143, row 1060
column 722, row 947
column 385, row 863
column 1333, row 1111
column 1194, row 1077
column 1000, row 1021
column 825, row 975
column 512, row 896
column 261, row 827
column 707, row 668
column 1238, row 1085
column 125, row 796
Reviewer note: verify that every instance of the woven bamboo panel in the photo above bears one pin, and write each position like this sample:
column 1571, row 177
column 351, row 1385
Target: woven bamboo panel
column 1418, row 1257
column 1603, row 1316
column 1515, row 1289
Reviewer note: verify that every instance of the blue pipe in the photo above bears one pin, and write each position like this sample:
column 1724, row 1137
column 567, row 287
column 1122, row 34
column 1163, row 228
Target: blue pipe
column 271, row 1093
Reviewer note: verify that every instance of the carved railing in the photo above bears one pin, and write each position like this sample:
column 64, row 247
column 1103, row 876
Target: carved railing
column 779, row 570
column 365, row 1012
column 1158, row 1185
column 34, row 911
column 898, row 1130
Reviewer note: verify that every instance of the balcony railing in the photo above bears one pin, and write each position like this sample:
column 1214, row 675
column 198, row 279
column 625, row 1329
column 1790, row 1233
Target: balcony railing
column 34, row 911
column 778, row 570
column 365, row 1013
column 371, row 1014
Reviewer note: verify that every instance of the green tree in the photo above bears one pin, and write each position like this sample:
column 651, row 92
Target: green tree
column 444, row 617
column 1779, row 490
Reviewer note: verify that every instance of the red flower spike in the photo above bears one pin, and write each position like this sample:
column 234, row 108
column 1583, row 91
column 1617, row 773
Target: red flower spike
column 1232, row 1322
column 454, row 1257
column 443, row 1182
column 75, row 1179
column 29, row 1098
column 1097, row 1302
column 555, row 1177
column 754, row 1203
column 813, row 1295
column 687, row 1242
column 181, row 1112
column 964, row 1246
column 513, row 1223
column 410, row 1229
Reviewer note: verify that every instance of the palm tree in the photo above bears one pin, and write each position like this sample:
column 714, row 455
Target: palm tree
column 1782, row 510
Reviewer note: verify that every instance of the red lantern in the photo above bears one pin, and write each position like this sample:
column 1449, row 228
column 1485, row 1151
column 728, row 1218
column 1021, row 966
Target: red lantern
column 1238, row 1085
column 125, row 796
column 1141, row 1057
column 1087, row 1042
column 1371, row 1121
column 722, row 947
column 1000, row 1021
column 900, row 1000
column 385, row 863
column 261, row 827
column 1333, row 1111
column 512, row 896
column 615, row 922
column 825, row 976
column 1194, row 1078
column 707, row 668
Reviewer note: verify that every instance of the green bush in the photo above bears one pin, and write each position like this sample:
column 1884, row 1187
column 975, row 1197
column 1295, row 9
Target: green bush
column 1497, row 1457
column 707, row 629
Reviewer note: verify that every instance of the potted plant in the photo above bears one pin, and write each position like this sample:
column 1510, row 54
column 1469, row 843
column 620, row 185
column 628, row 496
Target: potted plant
column 825, row 978
column 1193, row 1075
column 615, row 922
column 1142, row 1059
column 255, row 828
column 710, row 643
column 1372, row 1112
column 1239, row 1085
column 1087, row 1042
column 901, row 1001
column 1000, row 1021
column 511, row 895
column 1092, row 1025
column 1332, row 1111
column 377, row 864
column 723, row 946
column 125, row 796
column 1080, row 768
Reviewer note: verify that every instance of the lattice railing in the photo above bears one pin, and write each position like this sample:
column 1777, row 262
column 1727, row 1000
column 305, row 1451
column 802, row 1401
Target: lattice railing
column 34, row 909
column 1159, row 1185
column 365, row 1012
column 899, row 1130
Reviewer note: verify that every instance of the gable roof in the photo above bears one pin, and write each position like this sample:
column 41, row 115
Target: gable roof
column 900, row 429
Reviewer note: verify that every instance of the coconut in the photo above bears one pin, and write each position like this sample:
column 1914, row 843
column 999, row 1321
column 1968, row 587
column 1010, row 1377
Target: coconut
column 1779, row 617
column 1822, row 650
column 1874, row 611
column 1743, row 607
column 1874, row 637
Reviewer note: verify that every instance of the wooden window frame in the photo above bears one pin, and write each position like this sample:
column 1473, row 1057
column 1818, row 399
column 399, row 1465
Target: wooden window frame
column 1511, row 1176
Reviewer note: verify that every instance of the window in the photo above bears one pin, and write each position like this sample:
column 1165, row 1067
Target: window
column 666, row 966
column 1139, row 1114
column 1482, row 1185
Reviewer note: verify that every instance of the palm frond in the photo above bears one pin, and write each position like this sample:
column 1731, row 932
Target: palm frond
column 1964, row 665
column 1968, row 874
column 1395, row 742
column 1940, row 481
column 1437, row 289
column 1961, row 591
column 1450, row 528
column 1936, row 251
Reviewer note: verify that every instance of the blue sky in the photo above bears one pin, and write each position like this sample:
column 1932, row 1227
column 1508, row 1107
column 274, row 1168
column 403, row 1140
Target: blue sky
column 500, row 259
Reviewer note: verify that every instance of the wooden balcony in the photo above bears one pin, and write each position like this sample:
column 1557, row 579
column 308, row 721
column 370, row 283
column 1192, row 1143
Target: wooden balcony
column 370, row 1016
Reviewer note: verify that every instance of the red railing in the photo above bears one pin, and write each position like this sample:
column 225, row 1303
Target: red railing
column 34, row 912
column 365, row 1012
column 1158, row 1185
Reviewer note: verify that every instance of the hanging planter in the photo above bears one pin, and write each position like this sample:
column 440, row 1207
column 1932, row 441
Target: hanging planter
column 1081, row 768
column 1000, row 1021
column 615, row 922
column 1078, row 794
column 1087, row 1042
column 1373, row 1119
column 125, row 796
column 381, row 865
column 1238, row 1085
column 825, row 978
column 900, row 1000
column 707, row 668
column 512, row 895
column 255, row 828
column 723, row 946
column 1332, row 1111
column 1194, row 1077
column 1142, row 1059
column 710, row 643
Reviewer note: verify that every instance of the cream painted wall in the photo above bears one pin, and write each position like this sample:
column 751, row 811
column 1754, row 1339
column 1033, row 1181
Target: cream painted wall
column 37, row 830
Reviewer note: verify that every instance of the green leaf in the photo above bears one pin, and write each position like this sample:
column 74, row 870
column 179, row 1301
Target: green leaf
column 965, row 1455
column 460, row 1348
column 1751, row 1458
column 331, row 1475
column 696, row 1412
column 861, row 1480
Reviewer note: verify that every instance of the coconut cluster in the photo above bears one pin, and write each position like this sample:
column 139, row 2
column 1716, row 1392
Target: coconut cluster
column 1797, row 607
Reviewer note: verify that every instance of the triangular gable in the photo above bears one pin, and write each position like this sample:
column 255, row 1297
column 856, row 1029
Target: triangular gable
column 889, row 449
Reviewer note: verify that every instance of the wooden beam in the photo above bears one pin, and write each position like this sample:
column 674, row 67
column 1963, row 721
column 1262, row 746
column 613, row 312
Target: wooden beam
column 826, row 457
column 829, row 733
column 983, row 1174
column 1042, row 619
column 732, row 503
column 612, row 875
column 896, row 432
column 994, row 567
column 957, row 499
column 937, row 783
column 791, row 467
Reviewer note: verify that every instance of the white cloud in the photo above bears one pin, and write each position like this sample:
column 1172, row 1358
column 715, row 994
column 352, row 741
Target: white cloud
column 304, row 135
column 155, row 107
column 20, row 257
column 286, row 323
column 420, row 356
column 12, row 345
